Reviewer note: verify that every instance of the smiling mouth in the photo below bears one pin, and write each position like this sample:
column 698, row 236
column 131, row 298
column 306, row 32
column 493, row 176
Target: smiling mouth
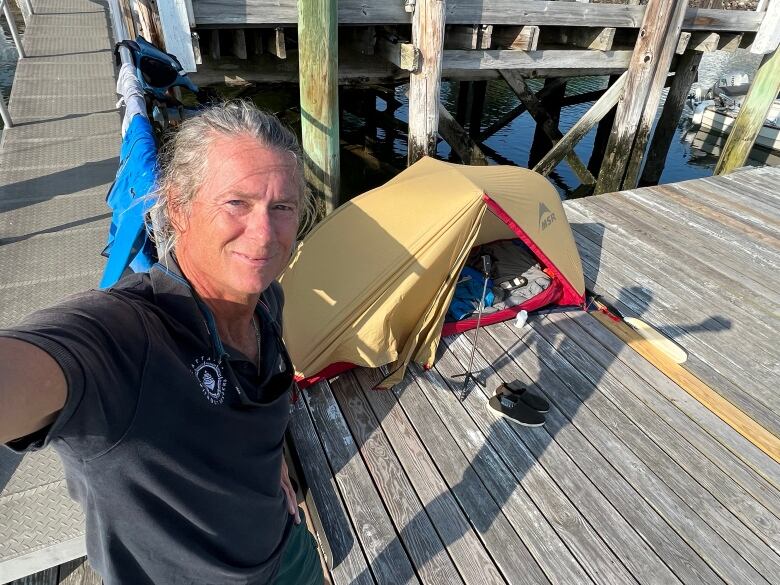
column 253, row 259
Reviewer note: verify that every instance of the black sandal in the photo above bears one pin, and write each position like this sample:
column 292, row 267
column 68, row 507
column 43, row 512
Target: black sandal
column 515, row 389
column 511, row 407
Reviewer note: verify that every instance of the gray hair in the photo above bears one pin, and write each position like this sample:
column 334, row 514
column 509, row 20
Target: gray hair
column 183, row 163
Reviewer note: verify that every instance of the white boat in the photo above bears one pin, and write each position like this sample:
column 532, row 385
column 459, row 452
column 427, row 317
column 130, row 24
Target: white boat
column 706, row 148
column 720, row 119
column 715, row 109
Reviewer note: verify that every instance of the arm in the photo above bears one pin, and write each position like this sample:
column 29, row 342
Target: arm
column 32, row 389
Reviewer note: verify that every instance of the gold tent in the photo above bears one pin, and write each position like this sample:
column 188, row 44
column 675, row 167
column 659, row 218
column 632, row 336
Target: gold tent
column 371, row 284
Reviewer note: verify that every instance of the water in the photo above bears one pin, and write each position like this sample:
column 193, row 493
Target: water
column 513, row 142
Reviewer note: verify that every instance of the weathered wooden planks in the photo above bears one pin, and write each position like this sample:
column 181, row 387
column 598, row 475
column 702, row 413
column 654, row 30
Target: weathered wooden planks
column 485, row 513
column 384, row 552
column 461, row 539
column 78, row 572
column 516, row 359
column 670, row 452
column 611, row 441
column 347, row 561
column 469, row 12
column 415, row 529
column 761, row 477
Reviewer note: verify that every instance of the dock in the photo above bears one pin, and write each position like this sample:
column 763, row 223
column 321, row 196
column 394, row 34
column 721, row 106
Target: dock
column 56, row 165
column 631, row 480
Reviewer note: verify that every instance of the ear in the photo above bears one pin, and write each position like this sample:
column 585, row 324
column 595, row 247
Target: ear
column 176, row 212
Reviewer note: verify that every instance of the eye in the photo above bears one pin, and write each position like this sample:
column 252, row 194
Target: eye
column 234, row 203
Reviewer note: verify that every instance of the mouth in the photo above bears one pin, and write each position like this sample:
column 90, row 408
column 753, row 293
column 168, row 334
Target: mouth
column 253, row 260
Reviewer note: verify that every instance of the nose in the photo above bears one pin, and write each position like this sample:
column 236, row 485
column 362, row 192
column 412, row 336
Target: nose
column 259, row 225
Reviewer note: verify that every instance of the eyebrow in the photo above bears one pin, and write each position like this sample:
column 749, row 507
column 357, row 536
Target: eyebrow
column 248, row 194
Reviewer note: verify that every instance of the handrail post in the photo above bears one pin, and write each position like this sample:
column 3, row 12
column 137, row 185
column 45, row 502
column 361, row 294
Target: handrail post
column 4, row 113
column 12, row 26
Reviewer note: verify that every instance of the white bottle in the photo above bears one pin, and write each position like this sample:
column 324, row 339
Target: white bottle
column 521, row 319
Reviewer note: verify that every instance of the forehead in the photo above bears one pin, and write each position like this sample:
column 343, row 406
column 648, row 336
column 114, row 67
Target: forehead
column 234, row 160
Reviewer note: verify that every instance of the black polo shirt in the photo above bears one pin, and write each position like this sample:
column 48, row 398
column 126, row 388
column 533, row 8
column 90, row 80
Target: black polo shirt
column 179, row 482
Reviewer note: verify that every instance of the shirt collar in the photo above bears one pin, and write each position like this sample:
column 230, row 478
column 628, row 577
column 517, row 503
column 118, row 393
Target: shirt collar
column 175, row 296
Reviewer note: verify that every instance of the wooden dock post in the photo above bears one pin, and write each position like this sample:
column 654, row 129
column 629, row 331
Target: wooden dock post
column 603, row 106
column 479, row 94
column 552, row 104
column 318, row 78
column 603, row 131
column 752, row 114
column 424, row 84
column 655, row 46
column 761, row 94
column 148, row 22
column 687, row 68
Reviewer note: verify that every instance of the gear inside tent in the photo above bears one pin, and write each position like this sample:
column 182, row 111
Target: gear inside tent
column 374, row 282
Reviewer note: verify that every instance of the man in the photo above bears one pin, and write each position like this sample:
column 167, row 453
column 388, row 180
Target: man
column 168, row 396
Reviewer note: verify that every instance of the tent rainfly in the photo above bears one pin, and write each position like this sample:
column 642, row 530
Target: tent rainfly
column 371, row 284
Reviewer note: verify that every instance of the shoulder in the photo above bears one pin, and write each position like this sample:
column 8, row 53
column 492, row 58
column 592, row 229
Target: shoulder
column 118, row 309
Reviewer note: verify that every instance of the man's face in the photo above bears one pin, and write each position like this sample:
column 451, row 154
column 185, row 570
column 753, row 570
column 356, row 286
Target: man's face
column 241, row 226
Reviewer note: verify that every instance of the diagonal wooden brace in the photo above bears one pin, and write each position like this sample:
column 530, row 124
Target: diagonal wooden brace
column 537, row 111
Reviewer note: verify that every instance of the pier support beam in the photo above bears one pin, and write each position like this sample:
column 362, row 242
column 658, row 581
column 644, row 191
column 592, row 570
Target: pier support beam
column 752, row 114
column 459, row 140
column 552, row 104
column 687, row 69
column 425, row 84
column 649, row 66
column 479, row 93
column 603, row 106
column 318, row 78
column 545, row 122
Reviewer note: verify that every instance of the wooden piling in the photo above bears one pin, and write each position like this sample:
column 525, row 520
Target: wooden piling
column 657, row 85
column 479, row 93
column 148, row 21
column 463, row 102
column 318, row 79
column 661, row 17
column 752, row 114
column 425, row 84
column 552, row 104
column 687, row 69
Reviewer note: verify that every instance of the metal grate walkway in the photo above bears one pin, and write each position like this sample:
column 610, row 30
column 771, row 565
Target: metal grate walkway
column 56, row 165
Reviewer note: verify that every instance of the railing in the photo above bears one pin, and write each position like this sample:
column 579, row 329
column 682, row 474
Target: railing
column 9, row 17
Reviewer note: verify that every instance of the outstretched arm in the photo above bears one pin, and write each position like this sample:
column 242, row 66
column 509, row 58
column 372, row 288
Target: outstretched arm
column 33, row 389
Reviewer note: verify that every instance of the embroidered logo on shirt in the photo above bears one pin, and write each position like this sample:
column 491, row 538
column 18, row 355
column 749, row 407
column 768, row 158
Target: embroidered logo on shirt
column 210, row 378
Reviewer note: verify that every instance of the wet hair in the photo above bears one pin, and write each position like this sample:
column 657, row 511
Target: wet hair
column 183, row 163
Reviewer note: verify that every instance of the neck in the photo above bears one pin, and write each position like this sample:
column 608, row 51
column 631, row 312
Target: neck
column 232, row 312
